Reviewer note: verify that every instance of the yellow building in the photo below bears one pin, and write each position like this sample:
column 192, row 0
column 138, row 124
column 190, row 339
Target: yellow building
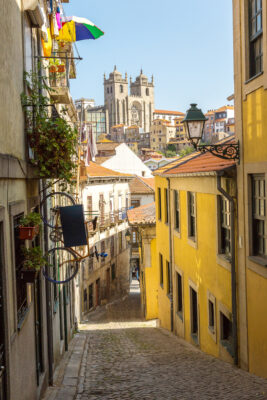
column 160, row 133
column 196, row 252
column 144, row 219
column 250, row 62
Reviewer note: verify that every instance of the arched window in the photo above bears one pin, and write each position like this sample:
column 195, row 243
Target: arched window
column 147, row 91
column 121, row 88
column 107, row 90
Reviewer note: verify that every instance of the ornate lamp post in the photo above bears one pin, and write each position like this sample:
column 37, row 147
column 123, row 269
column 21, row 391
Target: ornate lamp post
column 194, row 123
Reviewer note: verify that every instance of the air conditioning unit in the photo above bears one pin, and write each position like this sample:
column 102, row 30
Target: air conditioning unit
column 35, row 12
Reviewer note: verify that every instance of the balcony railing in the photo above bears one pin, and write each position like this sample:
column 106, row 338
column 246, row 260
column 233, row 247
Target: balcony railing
column 59, row 82
column 107, row 220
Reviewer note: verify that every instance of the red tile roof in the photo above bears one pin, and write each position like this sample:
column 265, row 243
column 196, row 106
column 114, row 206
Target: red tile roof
column 138, row 186
column 94, row 171
column 144, row 215
column 168, row 112
column 150, row 182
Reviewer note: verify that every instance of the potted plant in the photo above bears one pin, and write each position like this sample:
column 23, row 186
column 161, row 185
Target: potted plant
column 61, row 68
column 29, row 226
column 33, row 261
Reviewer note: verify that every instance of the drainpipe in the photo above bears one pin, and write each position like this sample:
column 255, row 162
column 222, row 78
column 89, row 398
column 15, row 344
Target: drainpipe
column 170, row 250
column 233, row 267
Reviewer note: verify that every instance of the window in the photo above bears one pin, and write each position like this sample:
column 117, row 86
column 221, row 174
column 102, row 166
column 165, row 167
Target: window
column 191, row 215
column 121, row 89
column 91, row 298
column 166, row 204
column 259, row 244
column 85, row 300
column 255, row 37
column 179, row 293
column 89, row 205
column 147, row 91
column 176, row 210
column 161, row 270
column 226, row 332
column 120, row 242
column 103, row 250
column 113, row 272
column 112, row 247
column 21, row 285
column 135, row 203
column 168, row 272
column 194, row 314
column 102, row 209
column 159, row 203
column 107, row 90
column 211, row 315
column 225, row 226
column 134, row 237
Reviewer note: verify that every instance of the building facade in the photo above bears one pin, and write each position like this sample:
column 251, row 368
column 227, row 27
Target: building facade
column 168, row 115
column 134, row 108
column 161, row 132
column 105, row 195
column 250, row 63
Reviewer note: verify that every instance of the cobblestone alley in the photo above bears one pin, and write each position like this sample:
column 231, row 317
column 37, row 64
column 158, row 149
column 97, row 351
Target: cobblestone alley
column 118, row 356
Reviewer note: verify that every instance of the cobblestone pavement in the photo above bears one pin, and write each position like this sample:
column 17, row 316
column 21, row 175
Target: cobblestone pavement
column 126, row 358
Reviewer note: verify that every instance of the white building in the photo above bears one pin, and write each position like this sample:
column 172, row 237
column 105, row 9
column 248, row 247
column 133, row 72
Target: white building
column 105, row 194
column 167, row 115
column 120, row 158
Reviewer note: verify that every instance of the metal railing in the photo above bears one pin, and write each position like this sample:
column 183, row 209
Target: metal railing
column 106, row 220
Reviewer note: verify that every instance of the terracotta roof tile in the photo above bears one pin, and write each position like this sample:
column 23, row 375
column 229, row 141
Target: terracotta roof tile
column 94, row 170
column 138, row 186
column 150, row 182
column 106, row 145
column 142, row 215
column 168, row 112
column 224, row 108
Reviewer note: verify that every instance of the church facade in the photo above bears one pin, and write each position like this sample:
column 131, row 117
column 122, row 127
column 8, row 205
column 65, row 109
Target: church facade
column 135, row 108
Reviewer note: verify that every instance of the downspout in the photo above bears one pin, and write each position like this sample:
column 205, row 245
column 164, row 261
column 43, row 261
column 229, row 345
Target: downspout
column 233, row 267
column 170, row 250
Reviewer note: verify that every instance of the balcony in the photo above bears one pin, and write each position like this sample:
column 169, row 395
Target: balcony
column 107, row 220
column 59, row 83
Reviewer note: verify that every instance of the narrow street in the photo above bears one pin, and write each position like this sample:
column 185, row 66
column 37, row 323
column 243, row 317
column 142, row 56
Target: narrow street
column 118, row 356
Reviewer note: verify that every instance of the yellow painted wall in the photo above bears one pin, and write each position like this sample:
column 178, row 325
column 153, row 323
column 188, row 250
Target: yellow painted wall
column 254, row 127
column 199, row 265
column 255, row 161
column 152, row 282
column 162, row 234
column 257, row 323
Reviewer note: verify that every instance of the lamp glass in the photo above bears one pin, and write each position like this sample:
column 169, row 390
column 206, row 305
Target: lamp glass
column 195, row 129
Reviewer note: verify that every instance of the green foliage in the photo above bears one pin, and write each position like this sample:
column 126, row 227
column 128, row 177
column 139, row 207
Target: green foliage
column 33, row 258
column 170, row 153
column 32, row 219
column 171, row 147
column 53, row 140
column 186, row 151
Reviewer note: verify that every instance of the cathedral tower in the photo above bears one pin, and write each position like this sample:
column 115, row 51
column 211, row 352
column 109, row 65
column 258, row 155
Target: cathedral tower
column 134, row 109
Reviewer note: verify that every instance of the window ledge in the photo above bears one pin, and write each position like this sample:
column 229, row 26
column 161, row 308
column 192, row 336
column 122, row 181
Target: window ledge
column 177, row 233
column 194, row 337
column 23, row 319
column 228, row 346
column 192, row 242
column 180, row 315
column 254, row 77
column 223, row 261
column 258, row 260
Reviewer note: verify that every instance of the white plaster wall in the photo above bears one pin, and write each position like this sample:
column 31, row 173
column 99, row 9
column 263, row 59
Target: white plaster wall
column 126, row 161
column 144, row 198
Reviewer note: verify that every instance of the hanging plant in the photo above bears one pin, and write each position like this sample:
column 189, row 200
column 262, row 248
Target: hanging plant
column 33, row 261
column 53, row 140
column 29, row 226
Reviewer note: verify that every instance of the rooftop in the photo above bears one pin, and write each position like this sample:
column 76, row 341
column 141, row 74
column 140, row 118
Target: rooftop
column 106, row 145
column 138, row 186
column 197, row 162
column 144, row 215
column 97, row 171
column 224, row 108
column 169, row 112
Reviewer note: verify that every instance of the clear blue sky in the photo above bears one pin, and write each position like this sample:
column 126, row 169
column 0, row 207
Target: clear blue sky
column 187, row 45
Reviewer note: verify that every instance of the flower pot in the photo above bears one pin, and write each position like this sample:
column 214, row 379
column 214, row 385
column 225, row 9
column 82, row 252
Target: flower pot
column 28, row 275
column 52, row 69
column 61, row 68
column 28, row 232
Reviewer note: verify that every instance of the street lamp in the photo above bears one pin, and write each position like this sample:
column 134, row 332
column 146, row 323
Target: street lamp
column 194, row 123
